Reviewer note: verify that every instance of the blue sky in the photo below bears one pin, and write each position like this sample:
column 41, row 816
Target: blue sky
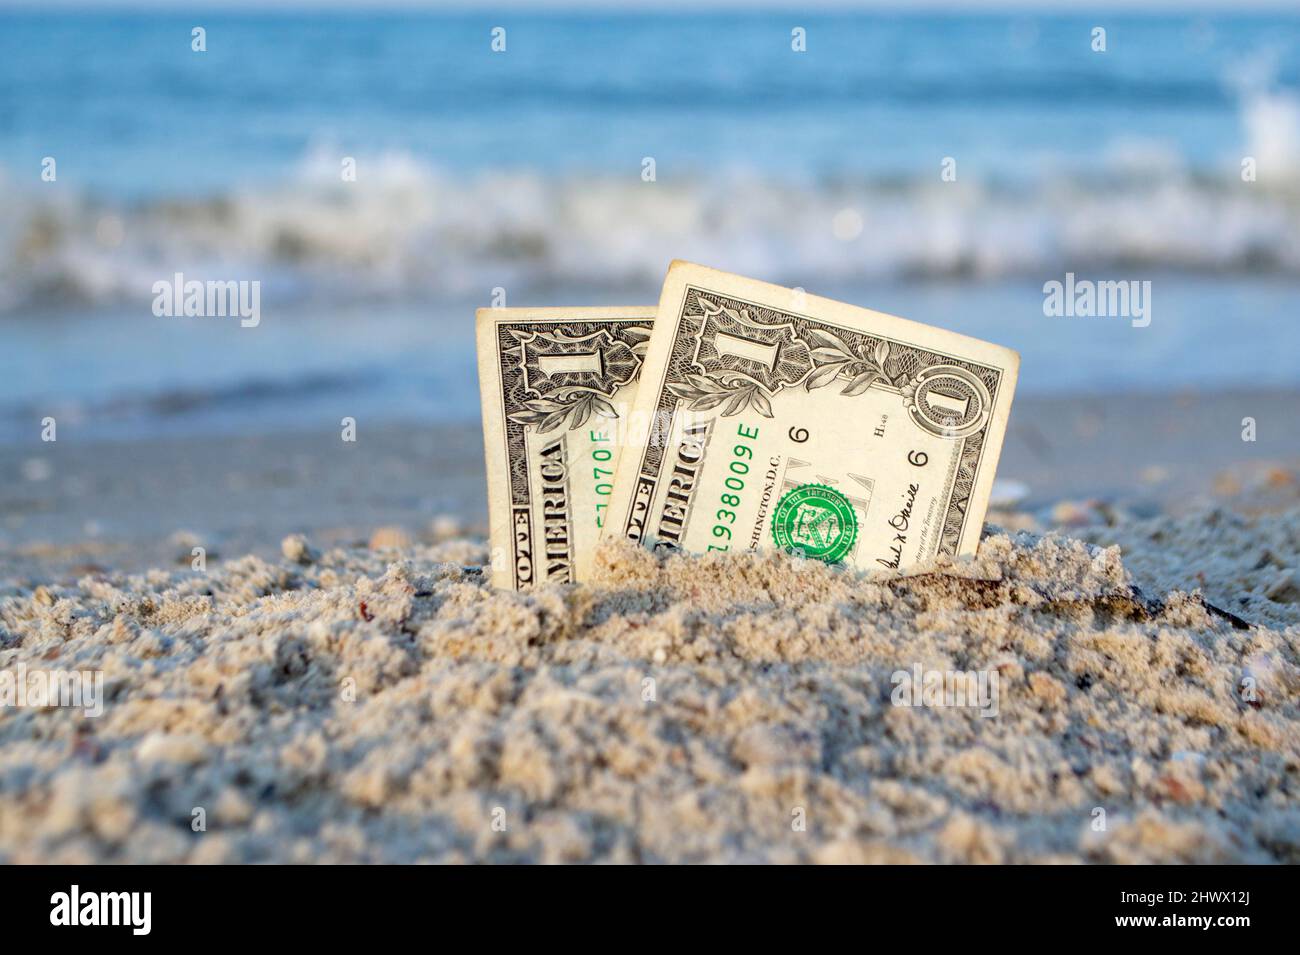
column 615, row 6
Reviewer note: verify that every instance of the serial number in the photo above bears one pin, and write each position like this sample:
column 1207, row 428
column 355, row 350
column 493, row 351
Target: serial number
column 738, row 466
column 601, row 477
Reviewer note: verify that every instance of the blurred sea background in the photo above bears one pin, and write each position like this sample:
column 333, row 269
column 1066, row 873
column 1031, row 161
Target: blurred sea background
column 522, row 170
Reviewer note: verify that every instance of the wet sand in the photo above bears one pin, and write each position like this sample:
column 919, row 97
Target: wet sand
column 78, row 504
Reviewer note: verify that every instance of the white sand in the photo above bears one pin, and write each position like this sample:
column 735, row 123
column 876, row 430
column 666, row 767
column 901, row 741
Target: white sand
column 233, row 691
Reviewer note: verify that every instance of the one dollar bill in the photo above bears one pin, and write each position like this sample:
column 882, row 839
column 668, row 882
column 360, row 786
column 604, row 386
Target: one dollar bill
column 556, row 387
column 796, row 422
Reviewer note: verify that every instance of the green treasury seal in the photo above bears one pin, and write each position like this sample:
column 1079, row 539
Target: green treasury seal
column 816, row 521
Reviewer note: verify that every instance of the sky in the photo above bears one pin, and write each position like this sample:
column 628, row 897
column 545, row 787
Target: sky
column 615, row 6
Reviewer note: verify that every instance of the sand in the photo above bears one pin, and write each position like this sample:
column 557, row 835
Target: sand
column 360, row 694
column 364, row 704
column 83, row 505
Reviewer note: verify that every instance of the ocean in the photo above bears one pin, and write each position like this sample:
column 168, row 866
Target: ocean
column 936, row 166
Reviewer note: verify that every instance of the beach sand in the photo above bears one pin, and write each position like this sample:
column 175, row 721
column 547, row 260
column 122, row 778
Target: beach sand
column 361, row 694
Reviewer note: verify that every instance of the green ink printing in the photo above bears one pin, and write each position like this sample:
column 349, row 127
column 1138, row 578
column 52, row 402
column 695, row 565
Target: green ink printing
column 815, row 521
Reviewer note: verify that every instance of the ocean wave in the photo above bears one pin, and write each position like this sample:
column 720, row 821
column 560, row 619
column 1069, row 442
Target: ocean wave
column 406, row 229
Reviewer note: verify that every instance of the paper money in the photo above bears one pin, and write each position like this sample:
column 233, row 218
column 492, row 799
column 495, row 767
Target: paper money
column 556, row 385
column 797, row 422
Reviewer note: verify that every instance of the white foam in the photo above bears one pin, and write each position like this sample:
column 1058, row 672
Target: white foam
column 407, row 229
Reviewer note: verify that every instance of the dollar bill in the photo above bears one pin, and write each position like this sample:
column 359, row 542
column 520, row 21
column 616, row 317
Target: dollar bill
column 801, row 423
column 556, row 386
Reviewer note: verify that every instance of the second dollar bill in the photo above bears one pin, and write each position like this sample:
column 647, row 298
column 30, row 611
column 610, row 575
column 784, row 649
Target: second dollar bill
column 556, row 386
column 796, row 422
